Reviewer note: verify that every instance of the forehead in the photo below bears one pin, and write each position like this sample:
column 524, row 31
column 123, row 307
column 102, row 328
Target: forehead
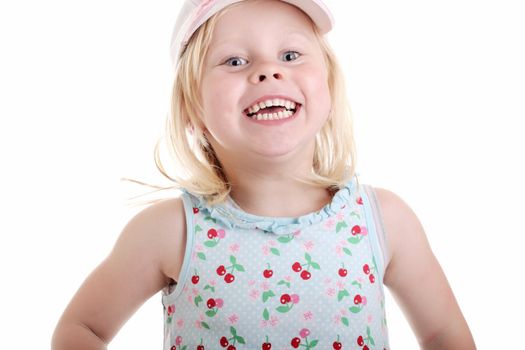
column 257, row 18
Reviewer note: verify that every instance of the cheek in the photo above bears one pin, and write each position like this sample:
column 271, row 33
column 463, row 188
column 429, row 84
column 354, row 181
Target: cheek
column 318, row 88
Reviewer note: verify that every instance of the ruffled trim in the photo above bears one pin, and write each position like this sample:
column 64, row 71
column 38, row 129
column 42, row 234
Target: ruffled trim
column 232, row 217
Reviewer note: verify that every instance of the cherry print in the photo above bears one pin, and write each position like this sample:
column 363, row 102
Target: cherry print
column 371, row 278
column 195, row 210
column 295, row 342
column 231, row 347
column 285, row 298
column 195, row 279
column 297, row 266
column 266, row 346
column 211, row 303
column 221, row 270
column 366, row 269
column 305, row 275
column 359, row 201
column 229, row 278
column 358, row 299
column 173, row 347
column 212, row 233
column 268, row 272
column 200, row 347
column 365, row 347
column 356, row 230
column 224, row 342
column 304, row 333
column 337, row 345
column 360, row 341
column 342, row 272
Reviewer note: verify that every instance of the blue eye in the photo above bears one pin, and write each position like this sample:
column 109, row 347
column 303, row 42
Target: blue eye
column 234, row 61
column 291, row 55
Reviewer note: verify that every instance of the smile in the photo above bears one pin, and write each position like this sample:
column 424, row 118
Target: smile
column 272, row 109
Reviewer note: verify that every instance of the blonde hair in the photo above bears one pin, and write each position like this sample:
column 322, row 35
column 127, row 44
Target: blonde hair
column 198, row 169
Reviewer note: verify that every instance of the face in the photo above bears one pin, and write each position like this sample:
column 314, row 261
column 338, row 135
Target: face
column 264, row 51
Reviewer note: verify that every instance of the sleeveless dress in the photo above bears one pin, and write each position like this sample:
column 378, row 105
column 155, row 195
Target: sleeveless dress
column 252, row 282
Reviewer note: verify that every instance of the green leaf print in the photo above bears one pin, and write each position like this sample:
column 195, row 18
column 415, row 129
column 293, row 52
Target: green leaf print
column 355, row 214
column 239, row 267
column 345, row 321
column 197, row 300
column 197, row 228
column 205, row 325
column 275, row 251
column 342, row 293
column 283, row 309
column 211, row 313
column 347, row 251
column 315, row 265
column 340, row 225
column 371, row 340
column 233, row 331
column 307, row 257
column 201, row 256
column 233, row 259
column 281, row 282
column 313, row 343
column 184, row 347
column 368, row 331
column 211, row 244
column 267, row 295
column 266, row 314
column 208, row 218
column 240, row 340
column 355, row 283
column 355, row 309
column 285, row 239
column 354, row 240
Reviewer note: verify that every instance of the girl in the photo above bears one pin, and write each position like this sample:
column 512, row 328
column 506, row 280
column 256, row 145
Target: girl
column 273, row 243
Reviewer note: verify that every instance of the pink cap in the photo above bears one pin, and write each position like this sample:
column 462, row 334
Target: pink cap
column 195, row 12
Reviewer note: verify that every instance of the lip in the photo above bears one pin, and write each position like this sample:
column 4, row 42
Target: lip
column 277, row 121
column 271, row 97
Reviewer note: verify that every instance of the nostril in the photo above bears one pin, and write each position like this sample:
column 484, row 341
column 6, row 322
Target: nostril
column 262, row 77
column 277, row 76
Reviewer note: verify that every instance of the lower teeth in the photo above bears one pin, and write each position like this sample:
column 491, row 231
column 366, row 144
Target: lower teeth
column 273, row 116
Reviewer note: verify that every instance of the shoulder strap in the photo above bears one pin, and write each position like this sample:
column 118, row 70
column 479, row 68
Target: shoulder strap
column 375, row 219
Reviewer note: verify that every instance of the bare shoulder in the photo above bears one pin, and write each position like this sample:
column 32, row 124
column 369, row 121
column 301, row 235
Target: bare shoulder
column 416, row 279
column 158, row 233
column 401, row 224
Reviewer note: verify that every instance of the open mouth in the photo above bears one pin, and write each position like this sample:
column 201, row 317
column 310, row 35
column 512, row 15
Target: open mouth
column 275, row 109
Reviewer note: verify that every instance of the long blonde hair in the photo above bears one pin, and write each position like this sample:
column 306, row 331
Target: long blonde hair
column 197, row 167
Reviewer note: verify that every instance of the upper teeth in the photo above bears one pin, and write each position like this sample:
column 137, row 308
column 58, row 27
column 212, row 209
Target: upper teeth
column 271, row 103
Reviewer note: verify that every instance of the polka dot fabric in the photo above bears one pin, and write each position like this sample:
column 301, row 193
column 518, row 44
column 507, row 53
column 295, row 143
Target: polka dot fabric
column 250, row 282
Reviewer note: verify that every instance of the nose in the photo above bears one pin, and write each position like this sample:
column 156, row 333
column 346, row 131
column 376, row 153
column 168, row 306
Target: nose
column 266, row 72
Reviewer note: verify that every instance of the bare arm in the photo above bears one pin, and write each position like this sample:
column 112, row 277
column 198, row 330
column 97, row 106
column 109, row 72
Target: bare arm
column 147, row 255
column 417, row 281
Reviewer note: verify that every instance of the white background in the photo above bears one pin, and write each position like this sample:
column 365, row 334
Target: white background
column 437, row 90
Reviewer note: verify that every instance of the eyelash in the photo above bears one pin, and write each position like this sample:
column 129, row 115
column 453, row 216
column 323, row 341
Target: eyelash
column 229, row 60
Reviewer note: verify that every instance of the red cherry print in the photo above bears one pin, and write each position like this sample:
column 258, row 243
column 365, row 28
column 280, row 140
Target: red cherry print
column 285, row 298
column 211, row 303
column 195, row 279
column 359, row 201
column 224, row 342
column 337, row 345
column 221, row 270
column 200, row 347
column 372, row 278
column 229, row 278
column 195, row 210
column 267, row 273
column 365, row 347
column 295, row 342
column 356, row 230
column 297, row 267
column 212, row 233
column 343, row 272
column 357, row 299
column 231, row 347
column 360, row 341
column 266, row 346
column 366, row 269
column 173, row 347
column 305, row 275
